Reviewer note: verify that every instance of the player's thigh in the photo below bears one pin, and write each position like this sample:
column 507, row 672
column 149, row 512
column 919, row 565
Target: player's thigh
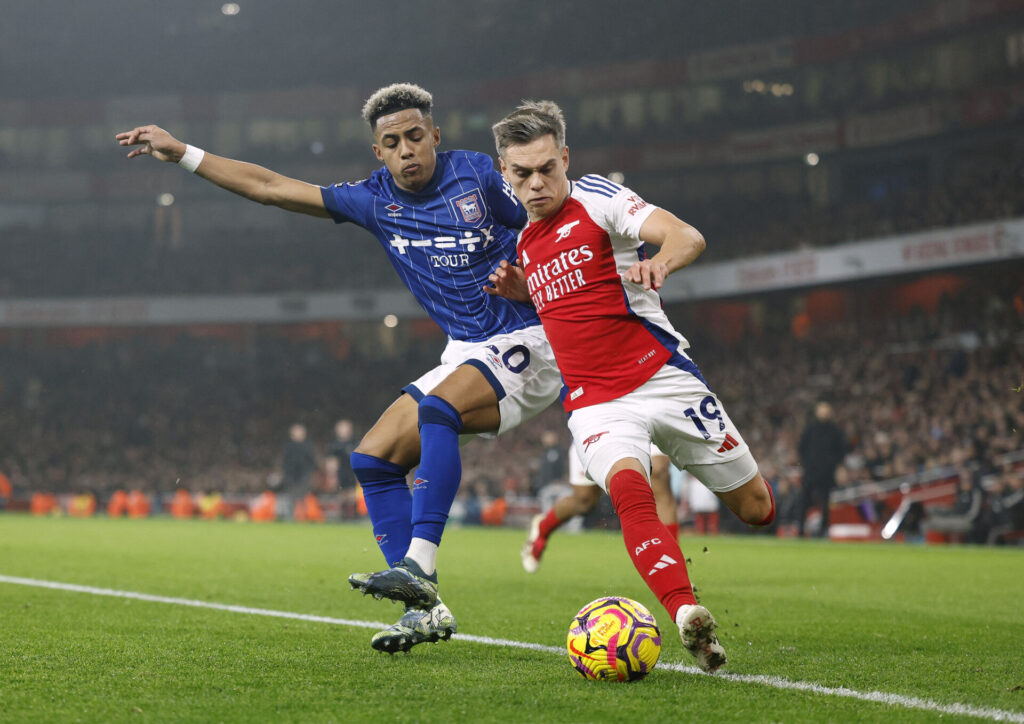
column 498, row 384
column 610, row 437
column 469, row 392
column 395, row 436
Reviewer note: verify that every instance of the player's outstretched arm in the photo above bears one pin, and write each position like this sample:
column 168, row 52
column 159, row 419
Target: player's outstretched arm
column 680, row 244
column 509, row 281
column 245, row 179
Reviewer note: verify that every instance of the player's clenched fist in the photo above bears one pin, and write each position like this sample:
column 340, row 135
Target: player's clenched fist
column 152, row 141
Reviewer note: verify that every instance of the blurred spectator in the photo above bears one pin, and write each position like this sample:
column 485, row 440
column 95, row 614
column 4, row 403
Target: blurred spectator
column 6, row 490
column 551, row 464
column 210, row 505
column 787, row 505
column 264, row 507
column 962, row 517
column 82, row 505
column 475, row 502
column 182, row 506
column 341, row 449
column 1006, row 502
column 139, row 504
column 822, row 447
column 118, row 504
column 298, row 461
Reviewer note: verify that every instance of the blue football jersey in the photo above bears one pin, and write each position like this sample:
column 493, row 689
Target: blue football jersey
column 444, row 240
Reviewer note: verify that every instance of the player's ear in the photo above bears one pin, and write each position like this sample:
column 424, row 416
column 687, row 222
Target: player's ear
column 376, row 151
column 565, row 157
column 437, row 136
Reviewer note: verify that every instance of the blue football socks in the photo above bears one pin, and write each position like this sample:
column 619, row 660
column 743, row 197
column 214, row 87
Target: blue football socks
column 388, row 503
column 440, row 472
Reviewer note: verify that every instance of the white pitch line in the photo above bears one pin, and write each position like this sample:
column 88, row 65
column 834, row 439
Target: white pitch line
column 776, row 682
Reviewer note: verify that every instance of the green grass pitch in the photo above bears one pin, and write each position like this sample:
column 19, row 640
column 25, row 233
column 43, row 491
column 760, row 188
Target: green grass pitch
column 941, row 629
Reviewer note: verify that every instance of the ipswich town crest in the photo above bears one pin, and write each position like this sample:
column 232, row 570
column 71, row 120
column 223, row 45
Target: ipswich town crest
column 470, row 206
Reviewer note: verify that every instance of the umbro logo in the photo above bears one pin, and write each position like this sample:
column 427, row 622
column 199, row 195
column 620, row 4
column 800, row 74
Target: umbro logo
column 662, row 564
column 419, row 483
column 564, row 231
column 393, row 210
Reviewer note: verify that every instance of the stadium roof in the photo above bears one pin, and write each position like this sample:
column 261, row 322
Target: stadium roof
column 117, row 47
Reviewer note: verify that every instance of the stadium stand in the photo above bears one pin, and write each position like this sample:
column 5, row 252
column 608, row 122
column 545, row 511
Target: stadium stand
column 912, row 119
column 920, row 394
column 905, row 122
column 44, row 262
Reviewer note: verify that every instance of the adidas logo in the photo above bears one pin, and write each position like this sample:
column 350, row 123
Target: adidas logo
column 663, row 563
column 729, row 444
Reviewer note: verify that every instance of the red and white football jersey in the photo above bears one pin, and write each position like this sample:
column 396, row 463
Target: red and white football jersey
column 609, row 336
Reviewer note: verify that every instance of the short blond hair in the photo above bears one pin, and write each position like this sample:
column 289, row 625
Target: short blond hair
column 530, row 121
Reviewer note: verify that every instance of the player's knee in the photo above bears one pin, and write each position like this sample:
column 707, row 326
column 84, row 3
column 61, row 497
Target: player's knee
column 371, row 470
column 630, row 490
column 434, row 410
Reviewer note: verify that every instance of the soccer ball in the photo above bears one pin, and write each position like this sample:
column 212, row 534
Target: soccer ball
column 614, row 639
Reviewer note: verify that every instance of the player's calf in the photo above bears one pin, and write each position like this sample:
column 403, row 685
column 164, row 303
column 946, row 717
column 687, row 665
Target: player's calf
column 753, row 502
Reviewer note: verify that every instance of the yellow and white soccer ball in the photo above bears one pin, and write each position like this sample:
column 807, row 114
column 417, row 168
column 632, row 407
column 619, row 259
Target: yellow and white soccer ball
column 614, row 639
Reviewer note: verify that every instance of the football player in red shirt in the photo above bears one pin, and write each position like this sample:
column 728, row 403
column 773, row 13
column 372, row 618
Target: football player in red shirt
column 627, row 379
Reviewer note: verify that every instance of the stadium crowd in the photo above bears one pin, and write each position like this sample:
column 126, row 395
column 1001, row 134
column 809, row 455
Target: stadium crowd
column 913, row 392
column 980, row 185
column 977, row 187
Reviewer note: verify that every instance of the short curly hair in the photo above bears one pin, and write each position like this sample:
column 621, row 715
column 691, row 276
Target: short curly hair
column 394, row 98
column 530, row 121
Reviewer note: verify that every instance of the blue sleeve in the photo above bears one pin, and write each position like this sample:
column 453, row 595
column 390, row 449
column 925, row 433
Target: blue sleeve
column 501, row 199
column 346, row 202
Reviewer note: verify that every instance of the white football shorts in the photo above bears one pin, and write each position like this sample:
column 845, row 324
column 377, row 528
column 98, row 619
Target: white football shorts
column 677, row 411
column 520, row 367
column 578, row 476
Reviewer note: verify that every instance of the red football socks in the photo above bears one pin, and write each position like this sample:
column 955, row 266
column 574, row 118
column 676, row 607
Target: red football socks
column 547, row 525
column 652, row 548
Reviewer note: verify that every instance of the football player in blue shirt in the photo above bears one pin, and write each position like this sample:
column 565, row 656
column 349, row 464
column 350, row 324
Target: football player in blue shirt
column 445, row 219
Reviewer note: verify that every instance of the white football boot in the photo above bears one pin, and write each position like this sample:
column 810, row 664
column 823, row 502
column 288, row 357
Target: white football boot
column 697, row 630
column 416, row 626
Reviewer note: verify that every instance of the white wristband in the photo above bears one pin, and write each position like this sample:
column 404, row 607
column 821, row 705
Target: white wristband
column 191, row 159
